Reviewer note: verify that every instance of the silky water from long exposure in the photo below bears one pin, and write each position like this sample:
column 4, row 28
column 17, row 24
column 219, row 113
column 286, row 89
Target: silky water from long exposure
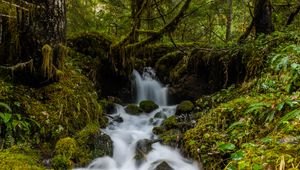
column 125, row 135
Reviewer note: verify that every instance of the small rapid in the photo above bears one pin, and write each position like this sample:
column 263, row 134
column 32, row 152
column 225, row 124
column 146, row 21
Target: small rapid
column 134, row 128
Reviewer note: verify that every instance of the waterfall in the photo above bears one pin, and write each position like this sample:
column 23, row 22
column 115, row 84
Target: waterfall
column 148, row 88
column 134, row 128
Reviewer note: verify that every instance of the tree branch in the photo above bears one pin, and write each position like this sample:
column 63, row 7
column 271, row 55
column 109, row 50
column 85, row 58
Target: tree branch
column 15, row 5
column 136, row 17
column 293, row 15
column 170, row 27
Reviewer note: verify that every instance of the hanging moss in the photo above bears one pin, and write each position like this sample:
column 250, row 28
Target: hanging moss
column 47, row 62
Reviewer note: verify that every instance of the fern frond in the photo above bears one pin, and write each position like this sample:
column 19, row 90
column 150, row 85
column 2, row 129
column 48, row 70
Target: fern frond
column 6, row 106
column 291, row 115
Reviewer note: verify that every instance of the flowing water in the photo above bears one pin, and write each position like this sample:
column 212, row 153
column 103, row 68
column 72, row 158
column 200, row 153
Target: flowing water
column 126, row 134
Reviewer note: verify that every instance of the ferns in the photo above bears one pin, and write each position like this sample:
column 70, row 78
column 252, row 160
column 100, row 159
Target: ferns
column 295, row 114
column 4, row 105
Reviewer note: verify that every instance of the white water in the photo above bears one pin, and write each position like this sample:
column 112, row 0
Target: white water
column 125, row 135
column 148, row 88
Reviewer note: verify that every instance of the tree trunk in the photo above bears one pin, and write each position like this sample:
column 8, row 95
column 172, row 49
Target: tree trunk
column 40, row 34
column 262, row 20
column 263, row 17
column 229, row 20
column 136, row 6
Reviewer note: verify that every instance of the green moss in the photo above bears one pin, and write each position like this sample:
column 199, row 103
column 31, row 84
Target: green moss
column 184, row 107
column 19, row 158
column 60, row 162
column 67, row 147
column 164, row 65
column 170, row 123
column 61, row 109
column 171, row 137
column 179, row 70
column 257, row 117
column 160, row 115
column 148, row 106
column 92, row 143
column 133, row 109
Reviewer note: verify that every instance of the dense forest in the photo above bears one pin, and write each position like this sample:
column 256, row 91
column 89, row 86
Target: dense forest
column 232, row 67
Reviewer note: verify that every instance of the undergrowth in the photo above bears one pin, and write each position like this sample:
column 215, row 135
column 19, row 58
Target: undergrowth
column 255, row 125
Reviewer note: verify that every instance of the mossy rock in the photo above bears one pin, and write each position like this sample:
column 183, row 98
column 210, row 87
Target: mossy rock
column 158, row 130
column 19, row 158
column 148, row 106
column 61, row 162
column 172, row 137
column 133, row 109
column 108, row 106
column 93, row 143
column 170, row 123
column 184, row 107
column 67, row 146
column 160, row 115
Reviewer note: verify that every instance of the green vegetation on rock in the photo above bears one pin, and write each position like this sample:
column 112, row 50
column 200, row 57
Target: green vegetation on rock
column 148, row 106
column 20, row 157
column 133, row 109
column 254, row 125
column 184, row 107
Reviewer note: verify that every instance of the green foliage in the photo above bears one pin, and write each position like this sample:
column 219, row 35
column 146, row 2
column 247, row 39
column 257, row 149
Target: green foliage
column 255, row 125
column 60, row 162
column 14, row 126
column 226, row 146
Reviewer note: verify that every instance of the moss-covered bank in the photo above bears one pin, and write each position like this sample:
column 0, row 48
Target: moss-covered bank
column 68, row 109
column 252, row 125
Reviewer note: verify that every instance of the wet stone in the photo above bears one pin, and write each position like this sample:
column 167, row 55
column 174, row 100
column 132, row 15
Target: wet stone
column 163, row 166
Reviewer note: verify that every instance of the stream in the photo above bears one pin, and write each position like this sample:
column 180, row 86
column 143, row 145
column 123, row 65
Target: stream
column 127, row 134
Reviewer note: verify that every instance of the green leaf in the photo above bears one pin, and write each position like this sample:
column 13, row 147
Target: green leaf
column 18, row 104
column 253, row 108
column 5, row 106
column 266, row 140
column 235, row 125
column 231, row 167
column 239, row 155
column 280, row 106
column 291, row 115
column 6, row 117
column 294, row 66
column 257, row 166
column 226, row 146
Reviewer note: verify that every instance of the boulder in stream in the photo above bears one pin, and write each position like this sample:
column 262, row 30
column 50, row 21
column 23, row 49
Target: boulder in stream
column 133, row 109
column 148, row 106
column 184, row 107
column 163, row 166
column 143, row 147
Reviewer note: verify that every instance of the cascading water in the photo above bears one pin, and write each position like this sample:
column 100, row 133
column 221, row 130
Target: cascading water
column 148, row 88
column 127, row 134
